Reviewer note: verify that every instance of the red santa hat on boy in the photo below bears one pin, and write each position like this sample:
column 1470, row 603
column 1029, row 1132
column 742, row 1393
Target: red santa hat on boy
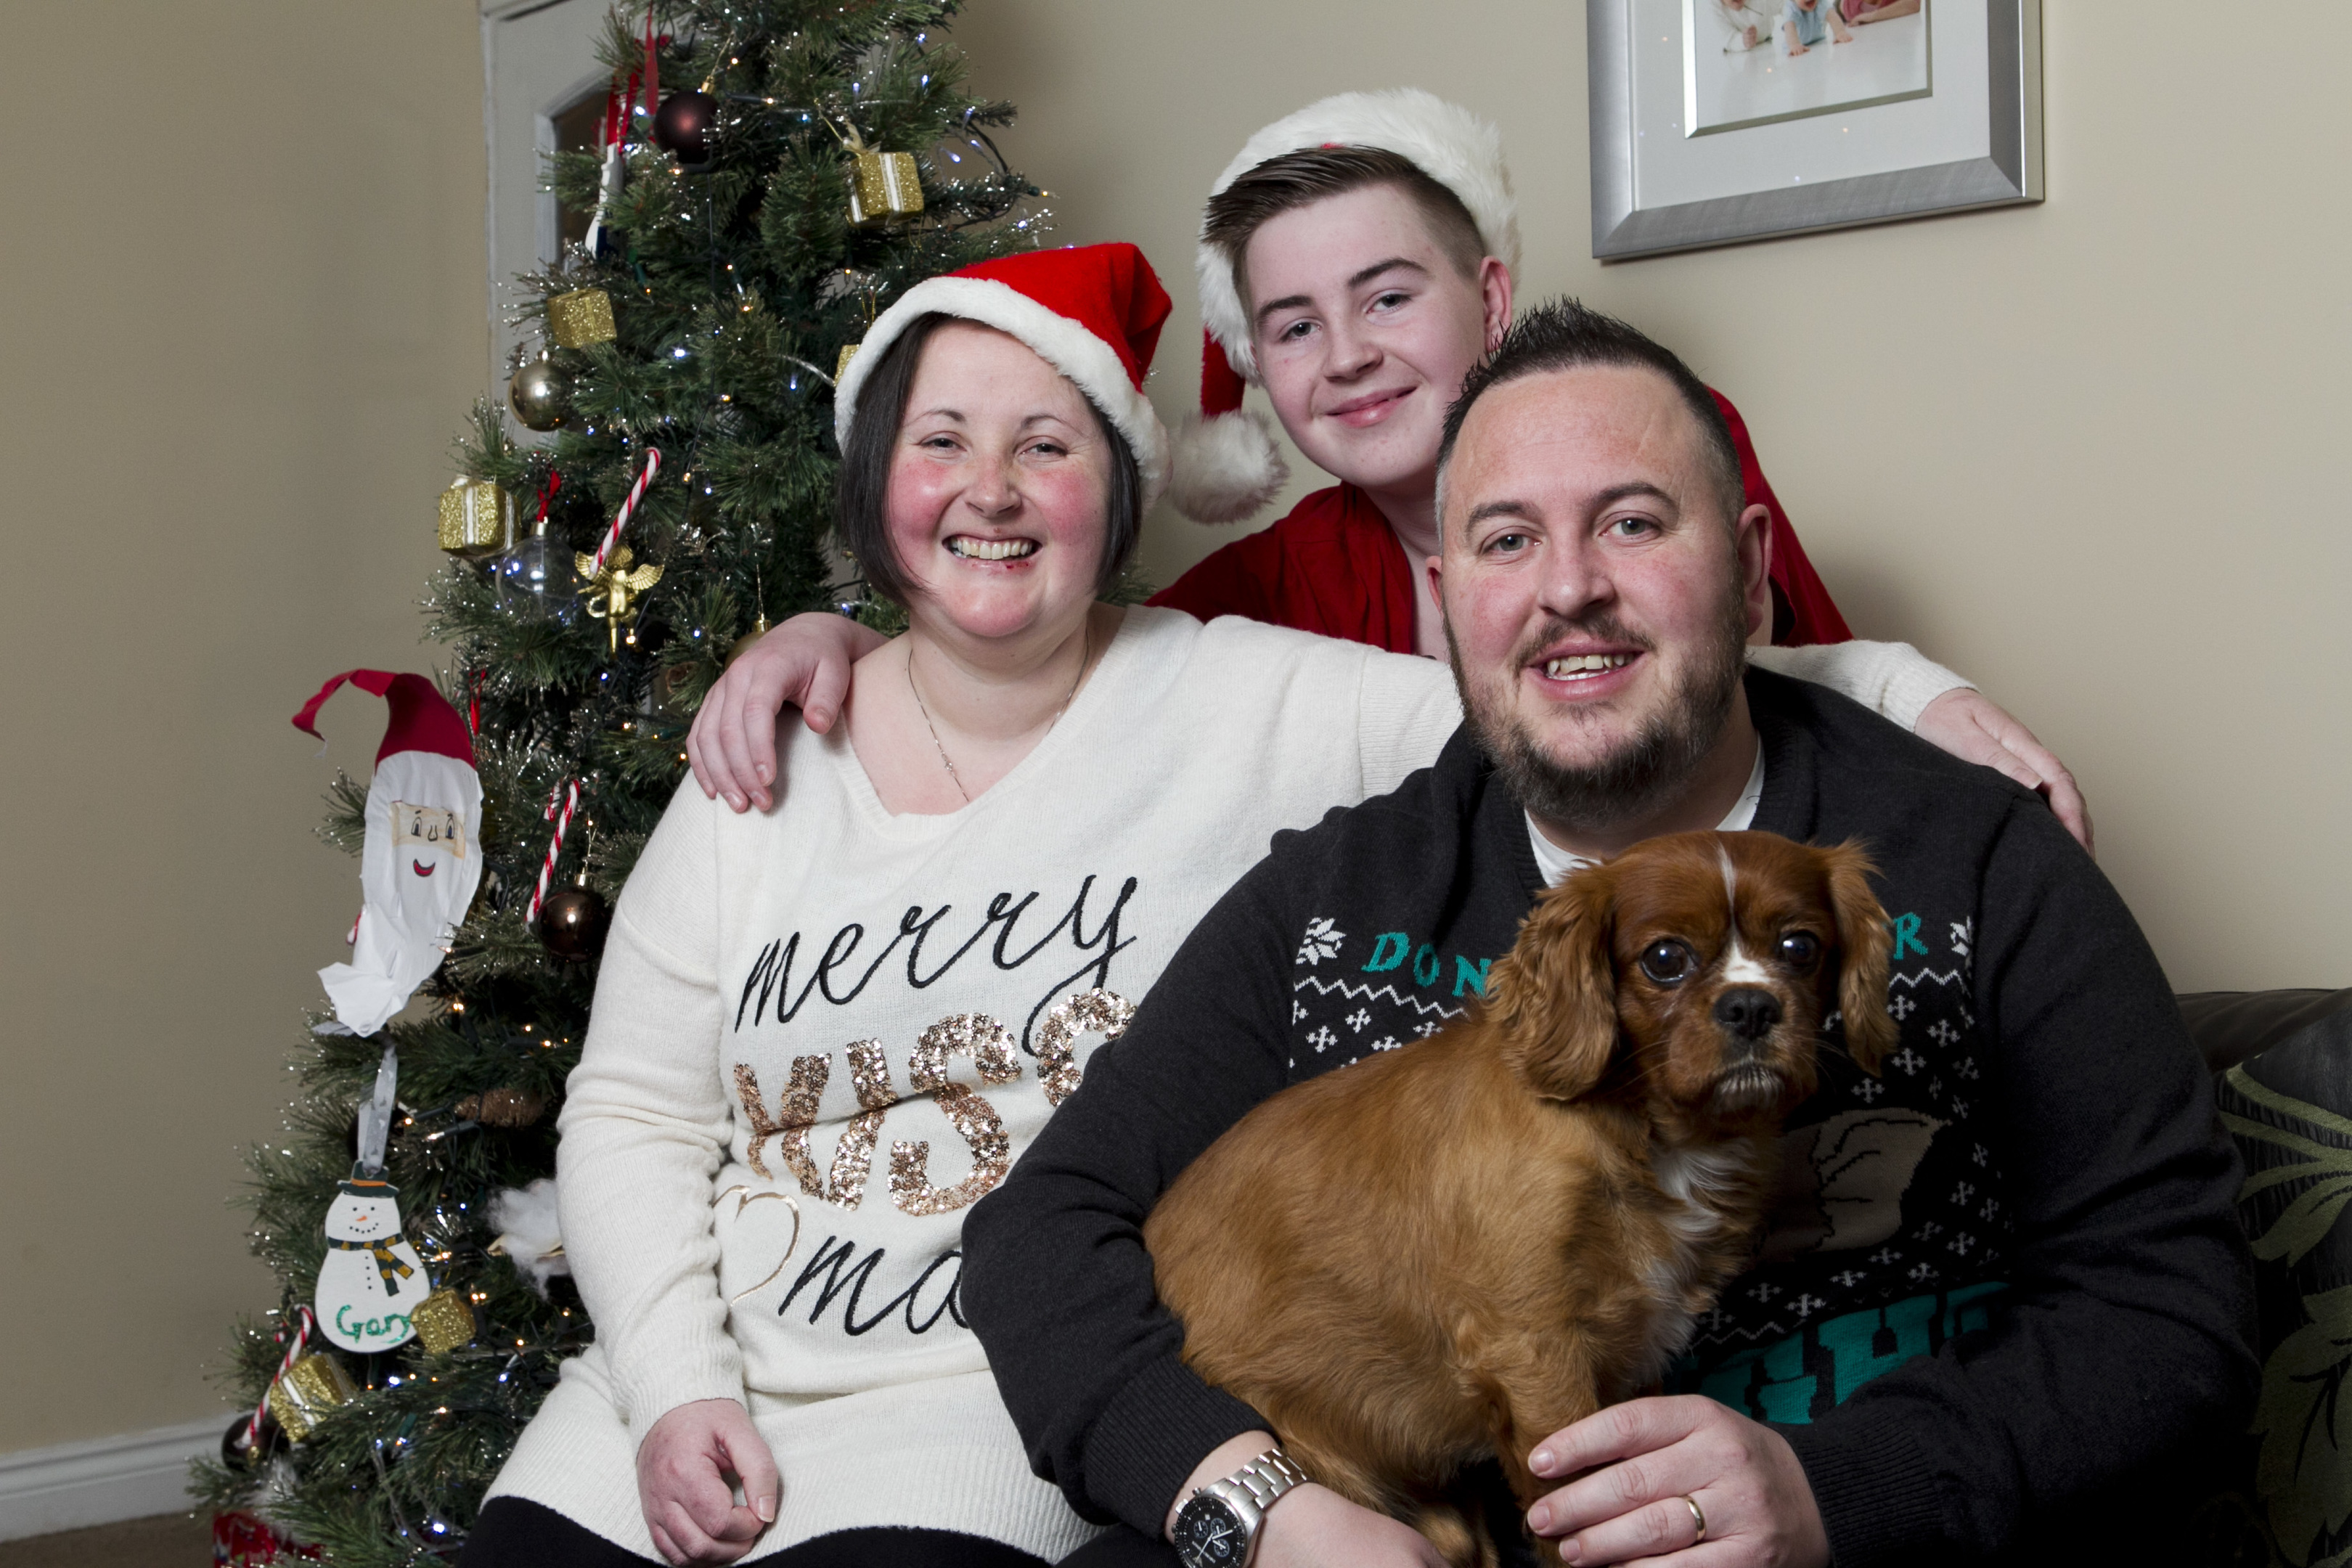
column 1091, row 311
column 1226, row 462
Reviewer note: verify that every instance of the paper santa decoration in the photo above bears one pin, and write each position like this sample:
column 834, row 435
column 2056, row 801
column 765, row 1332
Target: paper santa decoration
column 421, row 859
column 371, row 1280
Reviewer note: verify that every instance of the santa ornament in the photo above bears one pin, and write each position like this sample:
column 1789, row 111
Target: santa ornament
column 422, row 860
column 1226, row 463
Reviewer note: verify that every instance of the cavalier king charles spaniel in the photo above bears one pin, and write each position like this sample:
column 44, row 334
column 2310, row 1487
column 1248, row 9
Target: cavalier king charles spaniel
column 1455, row 1248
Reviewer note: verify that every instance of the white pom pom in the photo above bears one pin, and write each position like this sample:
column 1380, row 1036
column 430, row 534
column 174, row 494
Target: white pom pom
column 1226, row 467
column 530, row 1233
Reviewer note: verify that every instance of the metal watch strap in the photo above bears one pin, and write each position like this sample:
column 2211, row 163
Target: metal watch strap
column 1267, row 1476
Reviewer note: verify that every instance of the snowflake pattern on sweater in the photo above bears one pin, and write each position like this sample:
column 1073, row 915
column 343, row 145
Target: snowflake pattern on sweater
column 1889, row 1188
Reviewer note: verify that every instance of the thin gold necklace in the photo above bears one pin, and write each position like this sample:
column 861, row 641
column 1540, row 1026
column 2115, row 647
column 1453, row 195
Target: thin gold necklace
column 1086, row 655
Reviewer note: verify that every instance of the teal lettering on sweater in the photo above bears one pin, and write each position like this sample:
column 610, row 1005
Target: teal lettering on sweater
column 1385, row 956
column 1906, row 938
column 1474, row 978
column 1798, row 1379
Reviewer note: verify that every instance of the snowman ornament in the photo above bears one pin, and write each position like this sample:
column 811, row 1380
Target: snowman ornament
column 371, row 1278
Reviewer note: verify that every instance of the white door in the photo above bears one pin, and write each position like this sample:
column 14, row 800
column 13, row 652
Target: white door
column 543, row 90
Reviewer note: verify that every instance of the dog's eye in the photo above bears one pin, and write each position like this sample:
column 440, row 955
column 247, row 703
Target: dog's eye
column 1801, row 948
column 1667, row 963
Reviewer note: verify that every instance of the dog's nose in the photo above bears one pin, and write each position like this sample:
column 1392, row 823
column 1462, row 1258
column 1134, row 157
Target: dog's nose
column 1747, row 1012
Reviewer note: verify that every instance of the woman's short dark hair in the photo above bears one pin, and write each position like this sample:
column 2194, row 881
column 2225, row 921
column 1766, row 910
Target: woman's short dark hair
column 862, row 492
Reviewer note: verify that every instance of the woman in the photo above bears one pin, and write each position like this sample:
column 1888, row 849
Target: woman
column 822, row 1032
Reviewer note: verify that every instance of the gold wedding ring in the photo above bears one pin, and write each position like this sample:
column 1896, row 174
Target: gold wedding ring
column 1698, row 1520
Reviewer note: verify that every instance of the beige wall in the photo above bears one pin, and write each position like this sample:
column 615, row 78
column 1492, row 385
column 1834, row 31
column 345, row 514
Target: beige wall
column 2088, row 452
column 243, row 315
column 2076, row 450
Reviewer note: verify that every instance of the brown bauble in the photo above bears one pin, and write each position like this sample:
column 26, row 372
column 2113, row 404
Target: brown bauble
column 571, row 922
column 539, row 396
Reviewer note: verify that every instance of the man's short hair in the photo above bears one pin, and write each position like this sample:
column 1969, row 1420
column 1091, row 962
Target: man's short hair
column 1299, row 179
column 862, row 487
column 1569, row 335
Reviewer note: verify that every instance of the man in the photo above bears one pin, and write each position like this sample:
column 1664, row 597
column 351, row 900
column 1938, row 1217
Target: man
column 2001, row 1305
column 1355, row 257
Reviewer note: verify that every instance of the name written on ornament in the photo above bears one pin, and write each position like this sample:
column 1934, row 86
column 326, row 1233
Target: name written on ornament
column 392, row 1328
column 768, row 990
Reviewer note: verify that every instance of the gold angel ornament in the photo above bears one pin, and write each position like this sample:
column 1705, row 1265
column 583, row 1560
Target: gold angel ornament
column 613, row 593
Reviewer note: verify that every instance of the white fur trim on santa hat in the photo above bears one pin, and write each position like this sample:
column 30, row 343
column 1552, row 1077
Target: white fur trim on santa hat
column 1451, row 145
column 1093, row 364
column 1226, row 467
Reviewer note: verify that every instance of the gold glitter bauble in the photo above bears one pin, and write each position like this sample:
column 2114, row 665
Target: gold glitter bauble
column 582, row 316
column 311, row 1388
column 841, row 365
column 539, row 396
column 502, row 1107
column 443, row 1322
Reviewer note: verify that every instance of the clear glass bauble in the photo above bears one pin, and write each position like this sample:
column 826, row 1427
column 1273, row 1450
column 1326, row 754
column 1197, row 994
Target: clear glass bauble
column 537, row 580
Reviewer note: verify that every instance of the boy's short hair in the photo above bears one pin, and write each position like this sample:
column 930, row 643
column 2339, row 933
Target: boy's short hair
column 1299, row 179
column 862, row 485
column 1566, row 335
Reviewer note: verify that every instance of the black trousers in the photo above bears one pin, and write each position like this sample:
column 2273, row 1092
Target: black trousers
column 514, row 1532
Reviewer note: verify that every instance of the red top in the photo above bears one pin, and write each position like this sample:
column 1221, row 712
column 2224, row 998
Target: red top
column 1335, row 567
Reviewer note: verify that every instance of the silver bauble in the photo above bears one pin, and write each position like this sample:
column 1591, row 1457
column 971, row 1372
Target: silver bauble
column 539, row 394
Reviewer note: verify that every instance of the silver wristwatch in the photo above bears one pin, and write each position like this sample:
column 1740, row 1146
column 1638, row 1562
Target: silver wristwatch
column 1218, row 1526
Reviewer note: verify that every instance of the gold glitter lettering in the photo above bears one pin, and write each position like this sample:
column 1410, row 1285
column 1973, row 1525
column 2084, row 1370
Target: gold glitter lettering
column 991, row 1156
column 1096, row 1012
column 845, row 1183
column 869, row 1075
column 809, row 1075
column 988, row 1043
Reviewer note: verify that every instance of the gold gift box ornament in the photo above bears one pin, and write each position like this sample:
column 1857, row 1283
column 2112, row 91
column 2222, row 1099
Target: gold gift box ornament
column 477, row 518
column 308, row 1391
column 443, row 1322
column 581, row 318
column 882, row 186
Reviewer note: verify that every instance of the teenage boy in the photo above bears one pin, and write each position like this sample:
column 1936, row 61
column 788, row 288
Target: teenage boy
column 1357, row 257
column 1998, row 1313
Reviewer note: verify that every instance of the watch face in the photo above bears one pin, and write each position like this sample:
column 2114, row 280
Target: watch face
column 1210, row 1535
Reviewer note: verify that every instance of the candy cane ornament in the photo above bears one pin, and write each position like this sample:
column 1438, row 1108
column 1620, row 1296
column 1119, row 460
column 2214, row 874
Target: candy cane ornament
column 566, row 797
column 636, row 492
column 285, row 1364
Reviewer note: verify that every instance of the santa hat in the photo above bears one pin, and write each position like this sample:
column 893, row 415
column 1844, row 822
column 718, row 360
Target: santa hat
column 1091, row 311
column 421, row 719
column 1226, row 462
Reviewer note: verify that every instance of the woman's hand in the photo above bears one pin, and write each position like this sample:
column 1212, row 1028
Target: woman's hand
column 805, row 662
column 1665, row 1464
column 1974, row 729
column 684, row 1470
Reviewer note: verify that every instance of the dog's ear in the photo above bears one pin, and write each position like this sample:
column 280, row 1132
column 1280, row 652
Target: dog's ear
column 1554, row 995
column 1864, row 941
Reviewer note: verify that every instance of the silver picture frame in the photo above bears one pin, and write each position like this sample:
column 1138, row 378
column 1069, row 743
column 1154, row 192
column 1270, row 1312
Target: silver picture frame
column 2009, row 171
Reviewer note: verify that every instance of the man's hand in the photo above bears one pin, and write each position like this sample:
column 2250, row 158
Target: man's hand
column 1309, row 1526
column 1653, row 1454
column 1976, row 730
column 805, row 662
column 683, row 1471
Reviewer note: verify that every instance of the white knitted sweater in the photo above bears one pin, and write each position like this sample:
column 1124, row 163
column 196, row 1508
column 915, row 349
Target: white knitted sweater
column 820, row 1033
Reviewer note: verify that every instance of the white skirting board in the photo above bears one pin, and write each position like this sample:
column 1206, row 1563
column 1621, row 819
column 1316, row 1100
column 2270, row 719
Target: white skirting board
column 73, row 1485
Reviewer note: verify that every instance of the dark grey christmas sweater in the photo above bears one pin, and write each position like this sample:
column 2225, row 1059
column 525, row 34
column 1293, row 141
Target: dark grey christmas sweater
column 2003, row 1281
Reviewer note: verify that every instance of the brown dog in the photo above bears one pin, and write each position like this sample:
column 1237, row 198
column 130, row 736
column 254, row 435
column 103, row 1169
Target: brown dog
column 1459, row 1248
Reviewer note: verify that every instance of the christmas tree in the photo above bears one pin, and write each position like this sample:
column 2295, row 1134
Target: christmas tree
column 820, row 158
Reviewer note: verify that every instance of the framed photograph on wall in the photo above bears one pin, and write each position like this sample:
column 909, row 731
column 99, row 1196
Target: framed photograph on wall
column 1721, row 120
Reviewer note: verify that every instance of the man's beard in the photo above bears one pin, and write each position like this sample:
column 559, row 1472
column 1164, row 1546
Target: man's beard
column 1646, row 772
